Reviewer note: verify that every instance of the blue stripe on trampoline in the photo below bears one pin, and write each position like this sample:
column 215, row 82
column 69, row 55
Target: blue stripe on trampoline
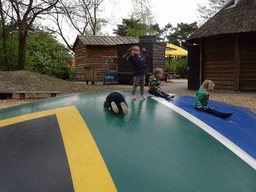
column 240, row 128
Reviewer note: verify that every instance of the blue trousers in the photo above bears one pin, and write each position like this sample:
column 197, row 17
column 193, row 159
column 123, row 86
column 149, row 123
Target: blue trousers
column 158, row 94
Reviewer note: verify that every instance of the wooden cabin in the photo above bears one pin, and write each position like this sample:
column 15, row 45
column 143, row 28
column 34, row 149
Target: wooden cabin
column 224, row 48
column 95, row 54
column 156, row 58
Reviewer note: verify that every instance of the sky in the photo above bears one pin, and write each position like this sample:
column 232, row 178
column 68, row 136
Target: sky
column 164, row 12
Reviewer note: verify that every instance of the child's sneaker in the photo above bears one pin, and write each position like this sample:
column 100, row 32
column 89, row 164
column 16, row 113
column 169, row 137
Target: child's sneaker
column 133, row 97
column 143, row 97
column 171, row 96
column 114, row 107
column 124, row 108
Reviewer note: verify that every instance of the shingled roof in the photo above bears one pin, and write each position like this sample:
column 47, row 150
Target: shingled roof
column 105, row 40
column 237, row 16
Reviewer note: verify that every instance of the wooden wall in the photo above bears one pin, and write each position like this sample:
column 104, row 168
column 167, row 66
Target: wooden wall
column 94, row 57
column 218, row 61
column 248, row 61
column 220, row 54
column 80, row 57
column 158, row 55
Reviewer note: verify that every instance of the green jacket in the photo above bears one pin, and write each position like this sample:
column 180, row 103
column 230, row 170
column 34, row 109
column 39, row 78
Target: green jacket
column 201, row 98
column 154, row 82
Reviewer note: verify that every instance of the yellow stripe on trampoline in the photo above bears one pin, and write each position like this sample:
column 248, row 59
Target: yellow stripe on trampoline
column 88, row 169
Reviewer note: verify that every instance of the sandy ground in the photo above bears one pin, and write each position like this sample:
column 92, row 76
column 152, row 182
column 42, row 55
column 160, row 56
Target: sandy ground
column 244, row 99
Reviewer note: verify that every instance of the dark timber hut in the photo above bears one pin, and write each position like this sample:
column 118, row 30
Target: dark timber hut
column 95, row 53
column 226, row 51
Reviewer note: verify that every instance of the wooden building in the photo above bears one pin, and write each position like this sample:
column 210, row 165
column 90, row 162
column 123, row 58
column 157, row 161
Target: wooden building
column 156, row 58
column 226, row 51
column 96, row 53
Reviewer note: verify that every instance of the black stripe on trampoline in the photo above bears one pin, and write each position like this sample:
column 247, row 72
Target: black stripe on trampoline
column 33, row 157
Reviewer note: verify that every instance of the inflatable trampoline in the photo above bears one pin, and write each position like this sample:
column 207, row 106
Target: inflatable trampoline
column 73, row 143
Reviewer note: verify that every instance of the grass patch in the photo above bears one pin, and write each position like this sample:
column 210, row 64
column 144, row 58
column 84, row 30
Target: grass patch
column 30, row 81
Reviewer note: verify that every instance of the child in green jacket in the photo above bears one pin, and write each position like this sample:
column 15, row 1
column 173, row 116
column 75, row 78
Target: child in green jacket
column 154, row 82
column 202, row 98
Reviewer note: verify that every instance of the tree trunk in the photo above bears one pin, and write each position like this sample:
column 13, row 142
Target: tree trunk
column 5, row 50
column 22, row 47
column 4, row 39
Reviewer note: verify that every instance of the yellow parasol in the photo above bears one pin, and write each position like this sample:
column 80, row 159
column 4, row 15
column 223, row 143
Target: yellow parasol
column 174, row 50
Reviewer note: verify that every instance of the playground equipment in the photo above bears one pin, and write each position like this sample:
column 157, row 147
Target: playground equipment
column 73, row 143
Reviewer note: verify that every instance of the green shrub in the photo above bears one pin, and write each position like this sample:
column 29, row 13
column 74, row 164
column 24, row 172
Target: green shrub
column 180, row 66
column 48, row 56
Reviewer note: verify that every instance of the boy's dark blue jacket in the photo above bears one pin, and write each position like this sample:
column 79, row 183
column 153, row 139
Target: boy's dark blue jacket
column 139, row 63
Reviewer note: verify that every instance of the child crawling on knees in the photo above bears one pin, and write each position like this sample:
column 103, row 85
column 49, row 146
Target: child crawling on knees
column 202, row 98
column 116, row 102
column 155, row 81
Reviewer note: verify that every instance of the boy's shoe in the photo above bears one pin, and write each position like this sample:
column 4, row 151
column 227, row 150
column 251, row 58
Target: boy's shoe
column 114, row 107
column 133, row 97
column 124, row 108
column 171, row 96
column 143, row 97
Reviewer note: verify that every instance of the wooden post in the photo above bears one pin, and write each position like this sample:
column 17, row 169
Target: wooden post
column 93, row 77
column 169, row 66
column 201, row 61
column 237, row 62
column 22, row 96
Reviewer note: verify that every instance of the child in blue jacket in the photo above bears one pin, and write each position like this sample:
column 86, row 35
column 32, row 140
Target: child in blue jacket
column 138, row 60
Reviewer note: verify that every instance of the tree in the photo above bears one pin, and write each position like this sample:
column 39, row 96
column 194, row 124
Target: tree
column 10, row 52
column 142, row 11
column 26, row 11
column 212, row 7
column 180, row 34
column 141, row 21
column 81, row 15
column 47, row 56
column 162, row 34
column 133, row 28
column 4, row 37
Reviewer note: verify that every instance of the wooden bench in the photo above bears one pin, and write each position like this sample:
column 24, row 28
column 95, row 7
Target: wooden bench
column 22, row 93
